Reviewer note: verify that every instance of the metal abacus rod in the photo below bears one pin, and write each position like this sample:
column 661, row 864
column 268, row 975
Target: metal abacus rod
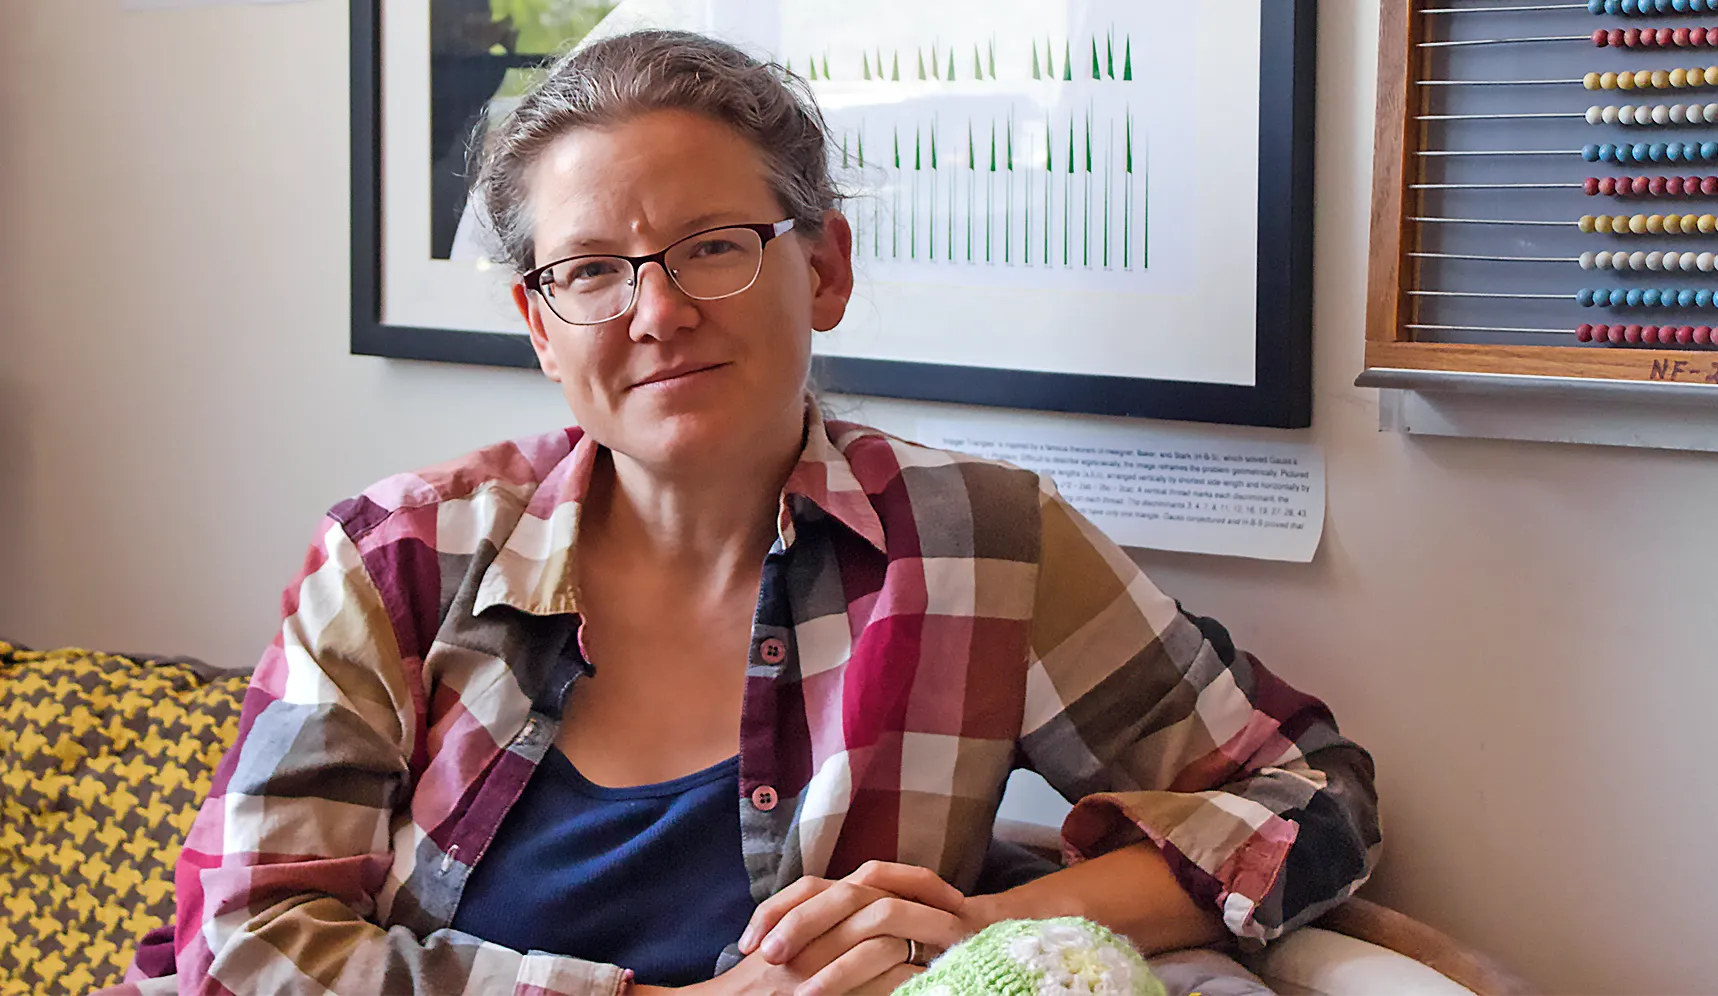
column 1640, row 262
column 1610, row 186
column 1628, row 79
column 1699, row 37
column 1683, row 335
column 1634, row 8
column 1644, row 116
column 1622, row 153
column 1603, row 224
column 1590, row 297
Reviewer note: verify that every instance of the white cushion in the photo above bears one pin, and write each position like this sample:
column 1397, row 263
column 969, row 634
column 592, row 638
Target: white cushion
column 1325, row 963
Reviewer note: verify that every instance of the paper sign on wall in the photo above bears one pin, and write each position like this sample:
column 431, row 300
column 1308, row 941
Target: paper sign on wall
column 1194, row 492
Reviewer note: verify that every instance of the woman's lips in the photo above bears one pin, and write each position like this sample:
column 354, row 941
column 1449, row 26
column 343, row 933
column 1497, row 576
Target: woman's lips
column 664, row 378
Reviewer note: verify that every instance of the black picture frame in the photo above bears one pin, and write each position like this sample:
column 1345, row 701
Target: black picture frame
column 1280, row 397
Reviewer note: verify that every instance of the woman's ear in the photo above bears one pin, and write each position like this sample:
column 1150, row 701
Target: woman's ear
column 832, row 266
column 528, row 309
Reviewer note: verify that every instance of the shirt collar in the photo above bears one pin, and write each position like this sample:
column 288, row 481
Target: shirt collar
column 535, row 569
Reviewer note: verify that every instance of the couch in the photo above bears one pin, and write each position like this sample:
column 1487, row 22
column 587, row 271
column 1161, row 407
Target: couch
column 104, row 759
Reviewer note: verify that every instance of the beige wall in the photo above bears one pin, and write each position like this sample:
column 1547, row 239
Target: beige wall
column 1525, row 635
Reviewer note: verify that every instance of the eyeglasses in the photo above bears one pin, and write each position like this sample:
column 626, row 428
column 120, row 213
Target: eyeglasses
column 706, row 266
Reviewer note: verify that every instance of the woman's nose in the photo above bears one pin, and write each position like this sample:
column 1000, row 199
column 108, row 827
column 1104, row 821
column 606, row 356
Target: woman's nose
column 661, row 308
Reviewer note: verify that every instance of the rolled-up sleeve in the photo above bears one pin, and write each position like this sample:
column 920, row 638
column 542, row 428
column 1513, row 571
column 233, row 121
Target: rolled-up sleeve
column 1157, row 729
column 279, row 877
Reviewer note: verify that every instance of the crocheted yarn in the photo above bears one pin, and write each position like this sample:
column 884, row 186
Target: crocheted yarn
column 1068, row 956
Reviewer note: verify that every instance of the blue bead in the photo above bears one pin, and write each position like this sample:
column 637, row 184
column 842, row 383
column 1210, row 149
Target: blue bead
column 1633, row 298
column 1703, row 299
column 1691, row 151
column 1585, row 297
column 1643, row 152
column 1613, row 7
column 1628, row 6
column 1650, row 297
column 1591, row 152
column 1595, row 7
column 1673, row 151
column 1680, row 6
column 1606, row 154
column 1656, row 152
column 1662, row 5
column 1709, row 151
column 1685, row 297
column 1621, row 153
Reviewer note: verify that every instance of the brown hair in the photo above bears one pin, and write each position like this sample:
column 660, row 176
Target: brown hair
column 612, row 80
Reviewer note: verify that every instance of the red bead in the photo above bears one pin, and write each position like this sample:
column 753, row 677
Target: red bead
column 1709, row 185
column 1641, row 185
column 1584, row 333
column 1632, row 333
column 1617, row 37
column 1685, row 334
column 1702, row 334
column 1608, row 186
column 1666, row 37
column 1615, row 333
column 1673, row 186
column 1699, row 37
column 1591, row 186
column 1680, row 37
column 1656, row 185
column 1691, row 186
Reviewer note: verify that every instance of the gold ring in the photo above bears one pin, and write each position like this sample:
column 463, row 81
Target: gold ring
column 916, row 954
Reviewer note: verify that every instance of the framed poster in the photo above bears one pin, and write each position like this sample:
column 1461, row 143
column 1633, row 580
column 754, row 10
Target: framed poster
column 1098, row 206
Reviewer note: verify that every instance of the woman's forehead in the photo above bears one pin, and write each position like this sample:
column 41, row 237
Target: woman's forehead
column 645, row 175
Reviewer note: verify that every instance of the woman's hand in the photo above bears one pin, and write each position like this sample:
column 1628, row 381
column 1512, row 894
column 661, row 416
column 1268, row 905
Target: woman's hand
column 850, row 936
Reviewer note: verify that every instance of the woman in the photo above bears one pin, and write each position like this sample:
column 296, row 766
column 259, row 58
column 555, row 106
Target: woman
column 494, row 746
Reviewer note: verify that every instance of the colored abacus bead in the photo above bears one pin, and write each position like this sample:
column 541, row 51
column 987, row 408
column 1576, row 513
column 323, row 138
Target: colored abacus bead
column 1703, row 334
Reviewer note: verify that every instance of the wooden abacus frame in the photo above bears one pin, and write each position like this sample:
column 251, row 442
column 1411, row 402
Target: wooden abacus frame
column 1390, row 344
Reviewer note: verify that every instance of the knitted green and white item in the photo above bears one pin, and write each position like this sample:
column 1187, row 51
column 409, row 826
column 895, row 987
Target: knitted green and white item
column 1068, row 956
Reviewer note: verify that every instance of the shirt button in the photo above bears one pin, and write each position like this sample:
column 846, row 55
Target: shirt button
column 764, row 798
column 773, row 651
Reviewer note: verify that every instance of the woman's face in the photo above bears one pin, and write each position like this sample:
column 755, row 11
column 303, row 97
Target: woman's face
column 677, row 382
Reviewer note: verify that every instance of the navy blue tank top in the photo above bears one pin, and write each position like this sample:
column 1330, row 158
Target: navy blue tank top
column 649, row 878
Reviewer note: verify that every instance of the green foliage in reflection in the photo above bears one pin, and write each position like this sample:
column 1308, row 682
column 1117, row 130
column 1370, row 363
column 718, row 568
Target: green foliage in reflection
column 548, row 26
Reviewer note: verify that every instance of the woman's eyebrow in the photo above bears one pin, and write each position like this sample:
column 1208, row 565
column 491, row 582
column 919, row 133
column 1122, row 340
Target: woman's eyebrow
column 583, row 244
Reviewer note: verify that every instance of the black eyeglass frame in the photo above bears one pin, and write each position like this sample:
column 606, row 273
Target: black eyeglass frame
column 766, row 233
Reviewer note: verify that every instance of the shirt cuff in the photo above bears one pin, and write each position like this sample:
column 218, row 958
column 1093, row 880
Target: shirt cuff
column 544, row 974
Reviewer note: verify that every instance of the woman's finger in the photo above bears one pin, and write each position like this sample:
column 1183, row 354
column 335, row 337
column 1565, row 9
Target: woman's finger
column 909, row 882
column 771, row 910
column 888, row 982
column 813, row 918
column 859, row 965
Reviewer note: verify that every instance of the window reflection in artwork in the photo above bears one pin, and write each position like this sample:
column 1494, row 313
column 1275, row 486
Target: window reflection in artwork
column 484, row 54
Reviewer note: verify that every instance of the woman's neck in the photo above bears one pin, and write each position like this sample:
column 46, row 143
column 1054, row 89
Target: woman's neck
column 713, row 522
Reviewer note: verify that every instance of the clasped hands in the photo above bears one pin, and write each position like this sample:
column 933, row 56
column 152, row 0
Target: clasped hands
column 848, row 937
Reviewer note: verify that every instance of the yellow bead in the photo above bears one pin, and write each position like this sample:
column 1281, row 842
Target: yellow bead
column 1712, row 75
column 1603, row 224
column 1660, row 79
column 1608, row 81
column 1655, row 224
column 1625, row 81
column 1643, row 79
column 1673, row 224
column 1679, row 78
column 1707, row 224
column 1587, row 223
column 1592, row 81
column 1637, row 224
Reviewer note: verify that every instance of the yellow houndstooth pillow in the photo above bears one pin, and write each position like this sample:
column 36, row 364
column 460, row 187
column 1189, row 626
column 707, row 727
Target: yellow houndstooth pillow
column 103, row 763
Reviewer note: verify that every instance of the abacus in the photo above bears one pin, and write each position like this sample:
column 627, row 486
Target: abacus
column 1546, row 190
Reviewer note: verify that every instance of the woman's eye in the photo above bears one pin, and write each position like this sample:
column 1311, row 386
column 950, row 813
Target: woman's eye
column 713, row 247
column 592, row 270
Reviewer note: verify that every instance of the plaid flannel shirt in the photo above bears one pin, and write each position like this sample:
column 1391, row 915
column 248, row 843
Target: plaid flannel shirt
column 927, row 622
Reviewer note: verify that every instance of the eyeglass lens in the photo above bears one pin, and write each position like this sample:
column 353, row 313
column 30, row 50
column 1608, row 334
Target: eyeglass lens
column 590, row 290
